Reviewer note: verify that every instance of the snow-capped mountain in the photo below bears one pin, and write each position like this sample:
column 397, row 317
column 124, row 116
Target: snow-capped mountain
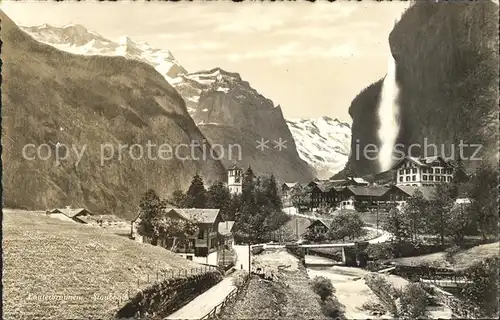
column 324, row 143
column 195, row 87
column 77, row 39
column 224, row 106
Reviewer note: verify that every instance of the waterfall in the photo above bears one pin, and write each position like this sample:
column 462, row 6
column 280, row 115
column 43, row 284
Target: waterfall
column 388, row 115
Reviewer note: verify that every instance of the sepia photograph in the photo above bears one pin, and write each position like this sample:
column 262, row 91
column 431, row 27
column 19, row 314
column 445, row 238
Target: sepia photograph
column 259, row 159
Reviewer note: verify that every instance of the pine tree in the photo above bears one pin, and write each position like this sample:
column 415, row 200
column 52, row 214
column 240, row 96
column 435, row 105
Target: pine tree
column 219, row 197
column 196, row 196
column 248, row 208
column 178, row 198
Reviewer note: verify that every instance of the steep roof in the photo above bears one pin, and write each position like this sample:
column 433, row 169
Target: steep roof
column 427, row 192
column 423, row 161
column 225, row 227
column 371, row 191
column 326, row 222
column 103, row 218
column 234, row 167
column 290, row 184
column 71, row 213
column 199, row 215
column 360, row 180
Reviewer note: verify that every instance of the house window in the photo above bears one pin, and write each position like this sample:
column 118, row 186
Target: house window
column 430, row 170
column 450, row 171
column 400, row 179
column 201, row 234
column 437, row 170
column 424, row 170
column 401, row 171
column 407, row 171
column 408, row 178
column 413, row 178
column 424, row 178
column 414, row 170
column 189, row 257
column 431, row 178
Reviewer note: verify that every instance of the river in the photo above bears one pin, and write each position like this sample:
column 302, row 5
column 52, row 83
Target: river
column 353, row 293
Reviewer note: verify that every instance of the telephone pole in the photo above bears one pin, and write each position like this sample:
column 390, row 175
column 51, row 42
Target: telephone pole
column 249, row 258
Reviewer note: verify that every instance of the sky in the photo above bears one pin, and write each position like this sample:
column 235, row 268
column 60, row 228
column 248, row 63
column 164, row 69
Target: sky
column 310, row 58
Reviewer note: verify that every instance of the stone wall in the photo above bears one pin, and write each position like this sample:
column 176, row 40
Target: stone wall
column 162, row 299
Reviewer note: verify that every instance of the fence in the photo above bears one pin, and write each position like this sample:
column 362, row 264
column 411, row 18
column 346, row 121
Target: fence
column 230, row 297
column 161, row 276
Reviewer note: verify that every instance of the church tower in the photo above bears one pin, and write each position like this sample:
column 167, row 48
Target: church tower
column 235, row 179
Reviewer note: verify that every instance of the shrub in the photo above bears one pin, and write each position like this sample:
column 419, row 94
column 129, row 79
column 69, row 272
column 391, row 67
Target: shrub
column 483, row 291
column 322, row 287
column 257, row 250
column 380, row 251
column 450, row 252
column 240, row 277
column 386, row 292
column 413, row 301
column 333, row 309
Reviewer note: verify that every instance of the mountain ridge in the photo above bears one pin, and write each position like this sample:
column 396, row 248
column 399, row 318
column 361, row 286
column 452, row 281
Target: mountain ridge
column 54, row 97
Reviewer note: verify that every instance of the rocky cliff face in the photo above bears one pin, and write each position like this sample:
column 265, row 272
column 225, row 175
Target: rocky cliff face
column 324, row 143
column 447, row 72
column 57, row 98
column 230, row 112
column 227, row 110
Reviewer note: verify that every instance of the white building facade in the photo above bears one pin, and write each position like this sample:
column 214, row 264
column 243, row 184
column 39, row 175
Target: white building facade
column 235, row 179
column 425, row 172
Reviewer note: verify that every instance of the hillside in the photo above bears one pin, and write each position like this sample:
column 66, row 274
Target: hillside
column 54, row 269
column 242, row 115
column 447, row 72
column 229, row 111
column 54, row 97
column 324, row 143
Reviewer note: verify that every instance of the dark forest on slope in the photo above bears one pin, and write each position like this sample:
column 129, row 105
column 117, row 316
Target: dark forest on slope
column 447, row 71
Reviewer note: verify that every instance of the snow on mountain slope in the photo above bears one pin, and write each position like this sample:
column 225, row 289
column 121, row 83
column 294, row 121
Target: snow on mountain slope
column 218, row 97
column 324, row 143
column 77, row 39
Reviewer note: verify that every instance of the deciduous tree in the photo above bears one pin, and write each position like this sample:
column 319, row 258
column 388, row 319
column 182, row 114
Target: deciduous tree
column 151, row 208
column 346, row 224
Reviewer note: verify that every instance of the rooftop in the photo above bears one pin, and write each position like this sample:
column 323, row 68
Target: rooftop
column 372, row 191
column 71, row 213
column 427, row 192
column 225, row 227
column 199, row 215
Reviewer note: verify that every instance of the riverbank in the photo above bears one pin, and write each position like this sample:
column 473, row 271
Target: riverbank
column 287, row 296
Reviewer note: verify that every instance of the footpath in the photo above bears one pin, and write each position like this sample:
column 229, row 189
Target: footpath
column 205, row 302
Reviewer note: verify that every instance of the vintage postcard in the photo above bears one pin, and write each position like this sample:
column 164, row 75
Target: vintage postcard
column 250, row 159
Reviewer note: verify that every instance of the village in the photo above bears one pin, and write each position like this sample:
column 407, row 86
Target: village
column 338, row 230
column 335, row 160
